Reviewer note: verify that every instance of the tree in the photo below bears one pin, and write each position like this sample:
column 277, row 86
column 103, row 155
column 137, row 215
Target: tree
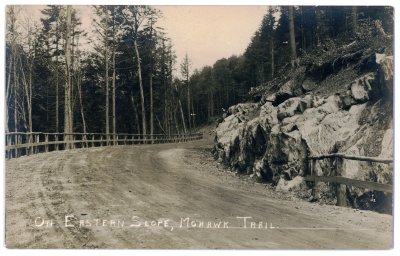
column 271, row 26
column 185, row 73
column 102, row 28
column 151, row 36
column 28, row 81
column 176, row 82
column 53, row 28
column 11, row 91
column 354, row 19
column 68, row 85
column 135, row 17
column 49, row 77
column 115, row 31
column 292, row 37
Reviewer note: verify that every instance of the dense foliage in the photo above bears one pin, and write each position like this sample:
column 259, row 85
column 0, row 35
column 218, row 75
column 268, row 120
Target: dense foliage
column 124, row 83
column 317, row 30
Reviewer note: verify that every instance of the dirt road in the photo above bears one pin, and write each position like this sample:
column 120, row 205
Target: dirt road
column 166, row 196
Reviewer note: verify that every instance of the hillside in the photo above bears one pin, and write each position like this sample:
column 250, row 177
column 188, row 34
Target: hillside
column 337, row 99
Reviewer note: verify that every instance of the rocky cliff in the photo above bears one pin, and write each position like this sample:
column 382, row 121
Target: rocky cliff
column 337, row 103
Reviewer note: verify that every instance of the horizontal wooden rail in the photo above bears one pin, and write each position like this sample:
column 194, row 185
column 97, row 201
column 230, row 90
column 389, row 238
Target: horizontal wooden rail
column 352, row 182
column 352, row 157
column 22, row 143
column 343, row 182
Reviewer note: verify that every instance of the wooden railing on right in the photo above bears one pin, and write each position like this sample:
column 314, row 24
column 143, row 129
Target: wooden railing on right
column 22, row 143
column 342, row 182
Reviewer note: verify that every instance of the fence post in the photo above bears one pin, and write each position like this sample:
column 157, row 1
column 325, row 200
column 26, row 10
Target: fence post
column 31, row 141
column 37, row 140
column 8, row 144
column 56, row 141
column 16, row 143
column 86, row 144
column 340, row 188
column 73, row 141
column 46, row 140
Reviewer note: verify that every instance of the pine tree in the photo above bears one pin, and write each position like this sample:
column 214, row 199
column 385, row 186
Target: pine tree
column 185, row 73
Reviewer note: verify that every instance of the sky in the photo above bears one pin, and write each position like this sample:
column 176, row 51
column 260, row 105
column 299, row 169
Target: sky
column 205, row 33
column 209, row 33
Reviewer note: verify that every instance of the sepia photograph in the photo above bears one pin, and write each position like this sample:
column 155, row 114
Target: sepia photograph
column 199, row 127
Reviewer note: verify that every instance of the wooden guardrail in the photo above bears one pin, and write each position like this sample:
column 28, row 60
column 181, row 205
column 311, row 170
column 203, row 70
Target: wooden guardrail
column 342, row 182
column 22, row 143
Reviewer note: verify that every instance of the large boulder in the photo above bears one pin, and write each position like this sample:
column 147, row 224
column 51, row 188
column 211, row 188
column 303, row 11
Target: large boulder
column 285, row 92
column 268, row 117
column 243, row 109
column 384, row 84
column 286, row 151
column 239, row 138
column 361, row 88
column 288, row 108
column 227, row 136
column 305, row 103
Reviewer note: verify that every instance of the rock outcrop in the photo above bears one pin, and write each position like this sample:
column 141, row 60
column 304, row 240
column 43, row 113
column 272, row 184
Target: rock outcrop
column 273, row 140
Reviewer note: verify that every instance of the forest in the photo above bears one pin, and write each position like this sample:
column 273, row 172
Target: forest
column 129, row 80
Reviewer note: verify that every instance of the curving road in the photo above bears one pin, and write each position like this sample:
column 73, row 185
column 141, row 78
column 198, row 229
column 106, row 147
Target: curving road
column 167, row 196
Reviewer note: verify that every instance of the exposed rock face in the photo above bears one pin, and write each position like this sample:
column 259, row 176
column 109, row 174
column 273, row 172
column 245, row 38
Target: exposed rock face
column 309, row 85
column 361, row 88
column 274, row 141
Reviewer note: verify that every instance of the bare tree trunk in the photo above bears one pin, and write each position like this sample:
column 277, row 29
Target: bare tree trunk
column 57, row 95
column 68, row 89
column 181, row 110
column 28, row 92
column 80, row 103
column 136, row 113
column 188, row 102
column 14, row 70
column 79, row 87
column 15, row 92
column 106, row 78
column 159, row 125
column 292, row 37
column 29, row 97
column 151, row 104
column 151, row 86
column 113, row 98
column 114, row 116
column 141, row 87
column 73, row 71
column 8, row 95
